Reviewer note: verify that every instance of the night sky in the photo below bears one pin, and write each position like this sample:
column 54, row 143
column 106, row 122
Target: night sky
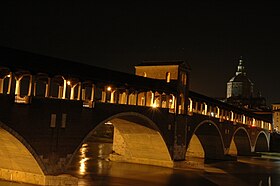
column 210, row 36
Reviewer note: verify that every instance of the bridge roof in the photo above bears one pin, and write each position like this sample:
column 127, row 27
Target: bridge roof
column 182, row 63
column 34, row 63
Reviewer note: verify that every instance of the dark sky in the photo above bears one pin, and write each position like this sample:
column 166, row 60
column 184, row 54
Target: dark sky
column 211, row 36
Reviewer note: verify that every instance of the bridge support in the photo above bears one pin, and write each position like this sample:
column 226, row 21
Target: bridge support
column 138, row 144
column 18, row 164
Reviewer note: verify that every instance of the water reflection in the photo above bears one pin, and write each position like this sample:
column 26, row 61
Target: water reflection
column 92, row 167
column 83, row 158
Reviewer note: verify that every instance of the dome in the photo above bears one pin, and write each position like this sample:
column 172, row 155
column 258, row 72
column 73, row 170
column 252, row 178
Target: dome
column 240, row 85
column 242, row 78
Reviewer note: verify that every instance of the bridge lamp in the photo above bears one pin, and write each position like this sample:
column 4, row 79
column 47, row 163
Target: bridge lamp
column 109, row 88
column 68, row 82
column 154, row 105
column 8, row 75
column 212, row 114
column 108, row 123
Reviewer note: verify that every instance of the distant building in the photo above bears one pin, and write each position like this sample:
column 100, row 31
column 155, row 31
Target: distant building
column 276, row 116
column 240, row 91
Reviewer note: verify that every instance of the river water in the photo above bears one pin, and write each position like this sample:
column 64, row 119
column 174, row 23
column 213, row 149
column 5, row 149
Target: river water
column 92, row 168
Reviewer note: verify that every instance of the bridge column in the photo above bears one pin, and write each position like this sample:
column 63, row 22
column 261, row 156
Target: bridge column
column 64, row 89
column 17, row 90
column 231, row 116
column 48, row 86
column 79, row 90
column 72, row 91
column 112, row 96
column 243, row 119
column 92, row 92
column 218, row 112
column 205, row 108
column 190, row 105
column 10, row 83
column 1, row 85
column 34, row 88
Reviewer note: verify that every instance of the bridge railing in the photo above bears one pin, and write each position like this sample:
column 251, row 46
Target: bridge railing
column 225, row 114
column 23, row 85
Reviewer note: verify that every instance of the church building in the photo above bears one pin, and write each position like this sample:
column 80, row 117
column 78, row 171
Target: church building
column 240, row 91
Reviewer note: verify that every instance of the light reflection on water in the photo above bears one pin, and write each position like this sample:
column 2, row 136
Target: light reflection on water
column 95, row 169
column 83, row 158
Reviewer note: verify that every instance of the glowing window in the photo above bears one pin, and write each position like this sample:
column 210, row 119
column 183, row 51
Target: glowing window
column 167, row 77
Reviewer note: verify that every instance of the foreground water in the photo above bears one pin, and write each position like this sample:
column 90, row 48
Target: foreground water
column 92, row 168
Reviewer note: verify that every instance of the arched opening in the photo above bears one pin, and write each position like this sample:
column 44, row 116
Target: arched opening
column 17, row 163
column 240, row 144
column 206, row 142
column 261, row 143
column 57, row 87
column 149, row 98
column 141, row 99
column 132, row 98
column 157, row 100
column 5, row 76
column 24, row 86
column 125, row 137
column 41, row 85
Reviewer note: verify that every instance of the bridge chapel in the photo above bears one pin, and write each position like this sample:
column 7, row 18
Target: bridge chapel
column 176, row 72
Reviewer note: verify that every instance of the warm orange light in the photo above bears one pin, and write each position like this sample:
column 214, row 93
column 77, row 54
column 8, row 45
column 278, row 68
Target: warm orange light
column 154, row 105
column 109, row 88
column 8, row 75
column 68, row 82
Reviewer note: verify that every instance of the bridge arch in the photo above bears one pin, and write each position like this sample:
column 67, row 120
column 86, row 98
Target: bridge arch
column 240, row 143
column 19, row 161
column 206, row 141
column 262, row 142
column 136, row 139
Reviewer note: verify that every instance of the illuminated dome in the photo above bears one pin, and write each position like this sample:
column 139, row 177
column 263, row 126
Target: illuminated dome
column 240, row 85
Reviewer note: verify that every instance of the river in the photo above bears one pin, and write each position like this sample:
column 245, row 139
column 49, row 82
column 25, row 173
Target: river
column 92, row 168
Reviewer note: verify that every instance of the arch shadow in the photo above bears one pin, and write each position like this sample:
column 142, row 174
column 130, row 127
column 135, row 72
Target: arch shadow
column 240, row 143
column 262, row 142
column 206, row 142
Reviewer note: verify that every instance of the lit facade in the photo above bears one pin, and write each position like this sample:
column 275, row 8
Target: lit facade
column 276, row 116
column 175, row 72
